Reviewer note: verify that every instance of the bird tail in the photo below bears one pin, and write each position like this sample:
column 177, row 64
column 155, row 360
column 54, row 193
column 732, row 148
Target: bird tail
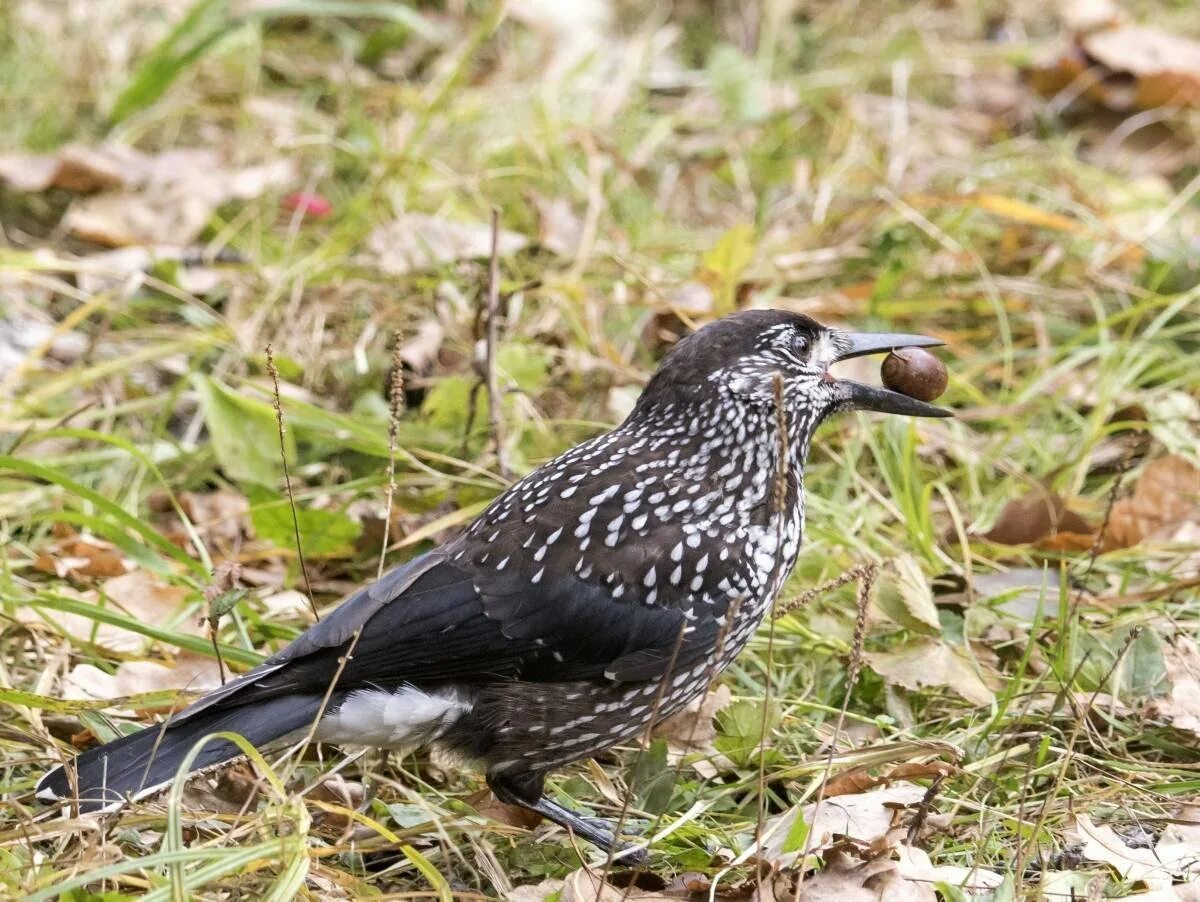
column 143, row 762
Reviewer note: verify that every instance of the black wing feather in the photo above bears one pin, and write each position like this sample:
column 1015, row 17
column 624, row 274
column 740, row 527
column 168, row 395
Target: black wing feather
column 428, row 622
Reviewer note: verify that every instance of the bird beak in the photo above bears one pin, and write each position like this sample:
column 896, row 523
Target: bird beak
column 884, row 400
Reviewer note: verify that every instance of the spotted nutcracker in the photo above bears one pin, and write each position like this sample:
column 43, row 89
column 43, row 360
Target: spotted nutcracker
column 603, row 591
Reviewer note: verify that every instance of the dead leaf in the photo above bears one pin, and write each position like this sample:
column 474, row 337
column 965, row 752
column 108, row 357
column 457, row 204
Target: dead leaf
column 929, row 662
column 287, row 603
column 693, row 728
column 139, row 594
column 487, row 805
column 866, row 818
column 126, row 267
column 586, row 886
column 1181, row 705
column 1157, row 867
column 1166, row 66
column 165, row 199
column 1129, row 67
column 78, row 169
column 1165, row 500
column 904, row 597
column 175, row 215
column 414, row 242
column 83, row 558
column 860, row 779
column 915, row 865
column 549, row 888
column 420, row 352
column 560, row 228
column 847, row 879
column 1041, row 517
column 231, row 790
column 1082, row 16
column 337, row 791
column 220, row 518
column 1023, row 591
column 186, row 671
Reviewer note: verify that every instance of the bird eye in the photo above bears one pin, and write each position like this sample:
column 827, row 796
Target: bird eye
column 800, row 345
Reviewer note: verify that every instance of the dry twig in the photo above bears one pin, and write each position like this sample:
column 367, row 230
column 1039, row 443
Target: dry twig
column 395, row 410
column 287, row 478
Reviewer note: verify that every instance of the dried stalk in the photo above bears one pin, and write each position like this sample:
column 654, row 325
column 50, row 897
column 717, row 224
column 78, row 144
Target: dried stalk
column 287, row 478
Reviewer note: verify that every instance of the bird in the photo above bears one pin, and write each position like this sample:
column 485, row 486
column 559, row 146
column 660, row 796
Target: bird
column 593, row 598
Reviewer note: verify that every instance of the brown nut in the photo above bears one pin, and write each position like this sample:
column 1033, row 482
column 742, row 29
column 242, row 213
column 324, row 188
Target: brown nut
column 914, row 372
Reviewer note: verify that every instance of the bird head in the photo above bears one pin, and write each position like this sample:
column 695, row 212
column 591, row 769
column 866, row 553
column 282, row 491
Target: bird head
column 743, row 355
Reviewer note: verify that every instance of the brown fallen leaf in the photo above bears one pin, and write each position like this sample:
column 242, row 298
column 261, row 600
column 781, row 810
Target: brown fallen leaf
column 866, row 818
column 902, row 594
column 1123, row 68
column 1181, row 705
column 83, row 558
column 1157, row 867
column 1041, row 518
column 550, row 888
column 845, row 878
column 1165, row 66
column 341, row 793
column 1165, row 500
column 860, row 779
column 143, row 199
column 693, row 728
column 231, row 790
column 175, row 201
column 414, row 242
column 139, row 594
column 915, row 865
column 186, row 671
column 487, row 805
column 74, row 168
column 686, row 307
column 220, row 518
column 587, row 886
column 930, row 662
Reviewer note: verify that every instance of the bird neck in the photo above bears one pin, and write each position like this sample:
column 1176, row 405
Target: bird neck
column 729, row 444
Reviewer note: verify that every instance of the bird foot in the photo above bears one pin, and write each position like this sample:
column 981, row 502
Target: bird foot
column 596, row 830
column 629, row 826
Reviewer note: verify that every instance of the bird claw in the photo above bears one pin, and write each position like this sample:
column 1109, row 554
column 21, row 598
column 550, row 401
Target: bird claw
column 631, row 827
column 596, row 830
column 625, row 853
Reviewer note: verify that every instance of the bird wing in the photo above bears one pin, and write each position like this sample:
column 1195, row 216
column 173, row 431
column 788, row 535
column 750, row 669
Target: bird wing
column 433, row 621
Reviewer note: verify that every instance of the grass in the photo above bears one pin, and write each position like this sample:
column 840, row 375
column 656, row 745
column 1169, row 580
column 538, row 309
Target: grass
column 836, row 165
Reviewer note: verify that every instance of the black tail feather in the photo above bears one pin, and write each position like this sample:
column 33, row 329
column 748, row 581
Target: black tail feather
column 150, row 758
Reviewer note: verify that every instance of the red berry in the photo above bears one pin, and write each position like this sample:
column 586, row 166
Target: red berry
column 309, row 203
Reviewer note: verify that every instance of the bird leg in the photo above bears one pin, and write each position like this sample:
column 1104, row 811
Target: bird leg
column 526, row 791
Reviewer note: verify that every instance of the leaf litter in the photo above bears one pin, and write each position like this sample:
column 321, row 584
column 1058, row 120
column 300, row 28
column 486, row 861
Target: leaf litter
column 143, row 199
